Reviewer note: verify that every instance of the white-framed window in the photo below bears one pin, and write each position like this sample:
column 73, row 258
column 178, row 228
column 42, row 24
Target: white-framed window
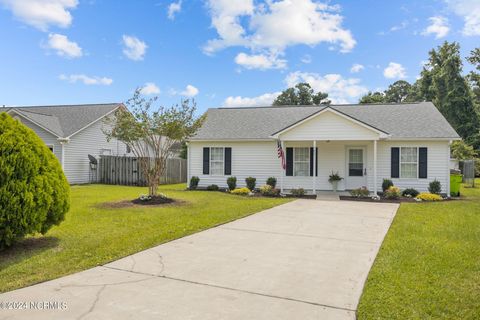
column 217, row 161
column 301, row 162
column 50, row 146
column 409, row 162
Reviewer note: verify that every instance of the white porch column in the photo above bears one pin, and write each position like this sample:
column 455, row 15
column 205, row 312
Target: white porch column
column 282, row 175
column 375, row 166
column 314, row 167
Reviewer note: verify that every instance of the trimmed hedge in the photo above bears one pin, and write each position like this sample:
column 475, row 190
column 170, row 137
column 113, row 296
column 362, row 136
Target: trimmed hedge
column 34, row 193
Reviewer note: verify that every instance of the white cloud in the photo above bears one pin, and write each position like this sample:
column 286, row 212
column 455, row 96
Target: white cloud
column 306, row 59
column 400, row 26
column 394, row 70
column 134, row 48
column 63, row 46
column 190, row 91
column 438, row 26
column 42, row 13
column 269, row 28
column 356, row 68
column 262, row 100
column 260, row 61
column 74, row 78
column 339, row 89
column 470, row 11
column 174, row 8
column 150, row 88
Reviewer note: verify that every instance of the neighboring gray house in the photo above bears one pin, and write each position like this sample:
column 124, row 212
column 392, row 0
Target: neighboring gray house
column 72, row 132
column 408, row 143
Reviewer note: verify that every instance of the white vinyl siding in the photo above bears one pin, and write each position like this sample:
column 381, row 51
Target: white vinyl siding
column 259, row 159
column 88, row 141
column 329, row 126
column 438, row 156
column 50, row 140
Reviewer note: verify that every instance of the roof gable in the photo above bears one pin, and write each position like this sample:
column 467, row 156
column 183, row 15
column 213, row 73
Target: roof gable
column 330, row 124
column 66, row 120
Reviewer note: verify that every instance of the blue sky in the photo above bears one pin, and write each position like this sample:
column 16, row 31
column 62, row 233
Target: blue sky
column 220, row 52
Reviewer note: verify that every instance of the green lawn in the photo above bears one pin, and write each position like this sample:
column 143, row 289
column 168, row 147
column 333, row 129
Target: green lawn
column 429, row 264
column 92, row 235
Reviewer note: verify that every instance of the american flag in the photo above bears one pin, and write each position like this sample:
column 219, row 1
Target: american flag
column 280, row 153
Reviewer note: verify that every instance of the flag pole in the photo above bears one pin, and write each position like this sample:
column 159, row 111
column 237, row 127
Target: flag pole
column 281, row 167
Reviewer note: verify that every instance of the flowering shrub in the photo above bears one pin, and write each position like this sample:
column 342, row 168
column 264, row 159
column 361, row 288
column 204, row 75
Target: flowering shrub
column 410, row 193
column 240, row 191
column 145, row 197
column 300, row 192
column 360, row 192
column 392, row 193
column 269, row 191
column 387, row 183
column 425, row 196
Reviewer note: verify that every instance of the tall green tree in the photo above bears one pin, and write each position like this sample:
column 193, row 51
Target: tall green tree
column 373, row 97
column 474, row 76
column 442, row 83
column 301, row 94
column 398, row 92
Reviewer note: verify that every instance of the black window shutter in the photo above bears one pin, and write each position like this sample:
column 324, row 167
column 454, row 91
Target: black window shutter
column 289, row 170
column 228, row 161
column 395, row 163
column 206, row 160
column 422, row 163
column 311, row 162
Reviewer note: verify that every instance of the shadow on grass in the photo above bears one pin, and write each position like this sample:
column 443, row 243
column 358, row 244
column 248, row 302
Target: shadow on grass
column 26, row 248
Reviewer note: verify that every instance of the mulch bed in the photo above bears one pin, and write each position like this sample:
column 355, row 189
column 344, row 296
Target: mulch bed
column 155, row 202
column 383, row 200
column 350, row 198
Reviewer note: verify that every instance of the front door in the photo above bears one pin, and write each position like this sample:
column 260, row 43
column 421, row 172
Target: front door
column 356, row 168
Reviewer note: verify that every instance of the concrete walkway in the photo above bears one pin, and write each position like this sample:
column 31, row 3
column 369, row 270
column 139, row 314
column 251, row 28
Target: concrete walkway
column 303, row 260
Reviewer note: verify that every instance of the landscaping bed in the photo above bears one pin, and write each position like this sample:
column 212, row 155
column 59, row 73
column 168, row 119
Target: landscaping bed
column 381, row 200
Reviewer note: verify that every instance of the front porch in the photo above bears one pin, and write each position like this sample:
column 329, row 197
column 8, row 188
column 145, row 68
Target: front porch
column 354, row 160
column 325, row 143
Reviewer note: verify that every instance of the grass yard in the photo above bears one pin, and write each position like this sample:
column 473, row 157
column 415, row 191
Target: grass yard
column 92, row 235
column 429, row 264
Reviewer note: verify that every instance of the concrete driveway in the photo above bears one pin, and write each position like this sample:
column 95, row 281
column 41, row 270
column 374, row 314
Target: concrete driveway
column 305, row 259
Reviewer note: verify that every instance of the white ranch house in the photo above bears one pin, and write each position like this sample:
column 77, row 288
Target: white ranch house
column 407, row 143
column 73, row 132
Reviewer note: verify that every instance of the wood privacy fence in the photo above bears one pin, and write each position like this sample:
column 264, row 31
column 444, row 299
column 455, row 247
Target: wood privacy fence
column 127, row 171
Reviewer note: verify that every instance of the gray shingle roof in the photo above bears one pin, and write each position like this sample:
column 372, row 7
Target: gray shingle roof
column 410, row 121
column 65, row 120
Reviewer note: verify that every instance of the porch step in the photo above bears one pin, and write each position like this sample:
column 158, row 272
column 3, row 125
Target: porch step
column 330, row 196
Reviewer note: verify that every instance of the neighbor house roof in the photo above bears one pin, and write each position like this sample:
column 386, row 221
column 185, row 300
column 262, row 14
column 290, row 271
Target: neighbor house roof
column 403, row 120
column 65, row 120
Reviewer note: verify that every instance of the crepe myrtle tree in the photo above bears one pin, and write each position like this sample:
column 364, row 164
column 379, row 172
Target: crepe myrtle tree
column 152, row 131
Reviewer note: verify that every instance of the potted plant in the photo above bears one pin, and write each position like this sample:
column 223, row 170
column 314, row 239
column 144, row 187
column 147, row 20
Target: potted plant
column 333, row 178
